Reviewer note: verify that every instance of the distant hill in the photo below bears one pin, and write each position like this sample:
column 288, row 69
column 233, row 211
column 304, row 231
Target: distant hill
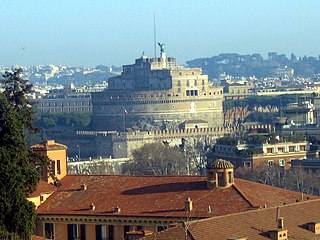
column 255, row 65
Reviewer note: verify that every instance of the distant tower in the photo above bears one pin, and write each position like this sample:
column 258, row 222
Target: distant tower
column 220, row 174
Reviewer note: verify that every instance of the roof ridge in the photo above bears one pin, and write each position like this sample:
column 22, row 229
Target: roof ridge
column 243, row 195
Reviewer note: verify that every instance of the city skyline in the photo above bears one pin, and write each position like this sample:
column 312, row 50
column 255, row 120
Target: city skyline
column 81, row 33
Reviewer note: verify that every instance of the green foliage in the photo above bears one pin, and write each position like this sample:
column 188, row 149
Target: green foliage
column 252, row 101
column 228, row 141
column 295, row 179
column 18, row 177
column 72, row 119
column 261, row 117
column 156, row 159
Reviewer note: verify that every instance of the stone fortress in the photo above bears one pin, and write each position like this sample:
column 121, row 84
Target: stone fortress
column 157, row 94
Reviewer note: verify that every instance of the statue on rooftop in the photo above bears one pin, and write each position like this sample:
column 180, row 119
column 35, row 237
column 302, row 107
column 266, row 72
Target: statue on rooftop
column 161, row 45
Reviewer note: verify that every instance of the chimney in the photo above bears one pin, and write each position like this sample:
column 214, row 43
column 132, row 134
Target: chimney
column 281, row 223
column 117, row 210
column 188, row 205
column 92, row 207
column 84, row 187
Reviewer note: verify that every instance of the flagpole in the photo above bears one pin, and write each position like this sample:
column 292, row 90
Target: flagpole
column 124, row 119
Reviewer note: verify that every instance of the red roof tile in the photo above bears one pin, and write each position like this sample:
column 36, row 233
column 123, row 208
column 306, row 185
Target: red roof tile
column 43, row 187
column 158, row 196
column 254, row 224
column 48, row 145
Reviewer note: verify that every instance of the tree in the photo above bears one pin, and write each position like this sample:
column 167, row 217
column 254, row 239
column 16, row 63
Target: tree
column 18, row 177
column 156, row 159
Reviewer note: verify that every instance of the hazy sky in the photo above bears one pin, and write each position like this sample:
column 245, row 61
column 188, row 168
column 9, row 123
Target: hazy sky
column 93, row 32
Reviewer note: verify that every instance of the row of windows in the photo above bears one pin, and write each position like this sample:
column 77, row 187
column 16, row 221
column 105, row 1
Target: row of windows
column 289, row 149
column 102, row 232
column 152, row 96
column 67, row 109
column 151, row 102
column 61, row 104
column 188, row 83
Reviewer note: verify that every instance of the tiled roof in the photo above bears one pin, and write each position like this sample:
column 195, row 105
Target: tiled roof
column 174, row 233
column 48, row 145
column 221, row 164
column 254, row 224
column 43, row 187
column 158, row 196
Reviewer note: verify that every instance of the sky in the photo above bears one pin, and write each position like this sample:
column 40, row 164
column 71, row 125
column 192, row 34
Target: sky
column 115, row 32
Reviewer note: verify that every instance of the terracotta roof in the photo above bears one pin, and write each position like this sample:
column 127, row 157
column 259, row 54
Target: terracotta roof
column 158, row 196
column 254, row 224
column 221, row 164
column 43, row 187
column 48, row 145
column 174, row 233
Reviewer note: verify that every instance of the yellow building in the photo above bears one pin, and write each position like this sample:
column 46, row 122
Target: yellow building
column 57, row 153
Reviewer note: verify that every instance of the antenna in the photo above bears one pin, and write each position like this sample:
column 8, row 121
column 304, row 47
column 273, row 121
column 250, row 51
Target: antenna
column 154, row 35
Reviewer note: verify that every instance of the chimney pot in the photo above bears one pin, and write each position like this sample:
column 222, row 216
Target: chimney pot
column 84, row 186
column 281, row 222
column 117, row 210
column 188, row 205
column 92, row 207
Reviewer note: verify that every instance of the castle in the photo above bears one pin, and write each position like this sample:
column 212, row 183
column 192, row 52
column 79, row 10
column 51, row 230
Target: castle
column 157, row 94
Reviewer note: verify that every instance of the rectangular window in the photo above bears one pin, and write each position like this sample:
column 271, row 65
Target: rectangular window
column 73, row 233
column 282, row 162
column 269, row 150
column 270, row 162
column 48, row 230
column 247, row 164
column 101, row 232
column 229, row 177
column 58, row 167
column 291, row 148
column 302, row 147
column 220, row 179
column 53, row 167
column 280, row 149
column 126, row 229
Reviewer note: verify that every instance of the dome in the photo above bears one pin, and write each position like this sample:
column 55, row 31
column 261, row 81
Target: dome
column 221, row 164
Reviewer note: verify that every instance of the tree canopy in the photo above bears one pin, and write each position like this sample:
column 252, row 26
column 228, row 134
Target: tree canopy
column 18, row 177
column 156, row 159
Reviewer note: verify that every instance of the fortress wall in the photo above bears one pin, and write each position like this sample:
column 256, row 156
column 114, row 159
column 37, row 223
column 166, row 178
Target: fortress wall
column 108, row 114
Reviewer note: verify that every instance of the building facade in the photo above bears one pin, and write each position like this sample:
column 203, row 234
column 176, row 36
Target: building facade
column 118, row 207
column 65, row 100
column 251, row 155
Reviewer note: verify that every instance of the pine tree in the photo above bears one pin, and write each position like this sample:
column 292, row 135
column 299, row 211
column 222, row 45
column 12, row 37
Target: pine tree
column 18, row 178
